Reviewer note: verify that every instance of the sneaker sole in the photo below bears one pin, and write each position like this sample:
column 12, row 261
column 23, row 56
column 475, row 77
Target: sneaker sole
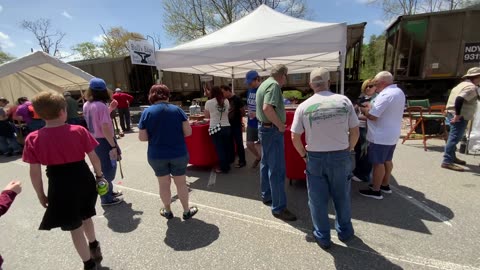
column 384, row 191
column 372, row 196
column 112, row 203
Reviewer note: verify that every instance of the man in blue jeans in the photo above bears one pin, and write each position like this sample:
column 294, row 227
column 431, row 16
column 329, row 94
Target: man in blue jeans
column 272, row 117
column 331, row 128
column 461, row 107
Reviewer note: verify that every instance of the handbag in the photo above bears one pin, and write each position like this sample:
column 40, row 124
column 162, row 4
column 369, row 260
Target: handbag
column 215, row 129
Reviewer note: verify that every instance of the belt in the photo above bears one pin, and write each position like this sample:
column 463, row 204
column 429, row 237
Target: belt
column 266, row 124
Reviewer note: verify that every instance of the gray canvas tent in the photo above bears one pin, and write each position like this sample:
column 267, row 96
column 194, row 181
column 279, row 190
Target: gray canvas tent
column 36, row 72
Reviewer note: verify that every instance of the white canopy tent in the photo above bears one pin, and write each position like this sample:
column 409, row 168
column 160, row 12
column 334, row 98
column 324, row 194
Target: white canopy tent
column 37, row 72
column 259, row 41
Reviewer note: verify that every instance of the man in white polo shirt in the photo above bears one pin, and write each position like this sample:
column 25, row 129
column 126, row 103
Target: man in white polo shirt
column 384, row 121
column 331, row 128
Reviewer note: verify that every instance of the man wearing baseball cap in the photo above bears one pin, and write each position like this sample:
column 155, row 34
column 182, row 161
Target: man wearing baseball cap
column 461, row 107
column 253, row 81
column 124, row 100
column 331, row 130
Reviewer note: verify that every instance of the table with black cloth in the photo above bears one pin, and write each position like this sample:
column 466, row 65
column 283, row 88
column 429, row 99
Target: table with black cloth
column 294, row 163
column 200, row 146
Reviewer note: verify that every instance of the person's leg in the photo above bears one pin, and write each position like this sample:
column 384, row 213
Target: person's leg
column 455, row 135
column 121, row 114
column 4, row 145
column 388, row 173
column 252, row 137
column 238, row 138
column 89, row 230
column 80, row 243
column 277, row 172
column 164, row 190
column 265, row 135
column 127, row 118
column 226, row 144
column 339, row 164
column 14, row 145
column 108, row 169
column 178, row 168
column 318, row 197
column 363, row 167
column 378, row 175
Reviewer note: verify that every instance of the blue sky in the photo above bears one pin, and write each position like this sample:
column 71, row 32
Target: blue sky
column 81, row 20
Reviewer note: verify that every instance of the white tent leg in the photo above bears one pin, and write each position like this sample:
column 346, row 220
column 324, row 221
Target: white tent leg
column 342, row 73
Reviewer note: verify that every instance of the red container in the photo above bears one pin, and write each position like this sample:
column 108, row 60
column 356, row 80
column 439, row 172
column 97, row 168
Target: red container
column 200, row 147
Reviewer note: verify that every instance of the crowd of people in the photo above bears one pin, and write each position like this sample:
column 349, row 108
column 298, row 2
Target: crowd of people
column 336, row 129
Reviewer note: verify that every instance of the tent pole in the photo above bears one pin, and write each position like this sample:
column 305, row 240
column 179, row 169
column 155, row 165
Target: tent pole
column 342, row 73
column 233, row 82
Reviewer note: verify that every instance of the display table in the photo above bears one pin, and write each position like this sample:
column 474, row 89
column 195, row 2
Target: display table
column 200, row 147
column 294, row 164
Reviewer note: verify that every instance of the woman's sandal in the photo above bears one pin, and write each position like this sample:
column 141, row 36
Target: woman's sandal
column 166, row 214
column 191, row 212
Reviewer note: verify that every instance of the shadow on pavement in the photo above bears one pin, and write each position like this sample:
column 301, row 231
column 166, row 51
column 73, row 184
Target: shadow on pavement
column 358, row 255
column 190, row 234
column 394, row 210
column 5, row 159
column 122, row 218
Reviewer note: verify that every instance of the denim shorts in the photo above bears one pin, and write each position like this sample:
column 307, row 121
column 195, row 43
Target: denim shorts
column 174, row 166
column 252, row 134
column 379, row 153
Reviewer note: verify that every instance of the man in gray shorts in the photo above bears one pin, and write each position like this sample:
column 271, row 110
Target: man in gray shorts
column 252, row 79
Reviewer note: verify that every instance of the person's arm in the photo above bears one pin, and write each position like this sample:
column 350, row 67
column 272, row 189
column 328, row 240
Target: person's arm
column 8, row 195
column 297, row 142
column 36, row 177
column 353, row 135
column 187, row 129
column 272, row 116
column 206, row 113
column 113, row 105
column 97, row 166
column 143, row 135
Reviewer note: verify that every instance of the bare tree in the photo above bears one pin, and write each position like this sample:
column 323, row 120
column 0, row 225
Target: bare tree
column 49, row 41
column 190, row 19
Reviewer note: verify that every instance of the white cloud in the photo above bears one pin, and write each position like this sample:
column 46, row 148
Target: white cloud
column 99, row 38
column 5, row 41
column 1, row 8
column 381, row 23
column 67, row 15
column 364, row 1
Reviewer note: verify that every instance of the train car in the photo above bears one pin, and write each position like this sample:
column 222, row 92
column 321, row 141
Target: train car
column 428, row 53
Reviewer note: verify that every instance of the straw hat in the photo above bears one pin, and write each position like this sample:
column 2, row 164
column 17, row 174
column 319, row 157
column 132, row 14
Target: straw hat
column 473, row 72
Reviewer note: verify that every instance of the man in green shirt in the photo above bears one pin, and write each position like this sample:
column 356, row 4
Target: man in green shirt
column 271, row 116
column 72, row 109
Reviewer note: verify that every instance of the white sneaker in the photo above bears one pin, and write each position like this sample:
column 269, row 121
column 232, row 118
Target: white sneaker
column 356, row 179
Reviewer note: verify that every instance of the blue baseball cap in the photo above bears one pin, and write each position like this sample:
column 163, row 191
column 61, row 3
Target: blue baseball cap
column 251, row 76
column 98, row 84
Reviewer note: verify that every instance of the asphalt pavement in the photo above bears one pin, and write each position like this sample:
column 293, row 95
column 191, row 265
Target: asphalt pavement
column 429, row 222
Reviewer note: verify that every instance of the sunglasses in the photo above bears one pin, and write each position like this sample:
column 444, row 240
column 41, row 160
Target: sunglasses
column 370, row 85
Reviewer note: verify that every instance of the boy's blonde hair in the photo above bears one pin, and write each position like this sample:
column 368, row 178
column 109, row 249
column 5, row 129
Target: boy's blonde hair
column 48, row 104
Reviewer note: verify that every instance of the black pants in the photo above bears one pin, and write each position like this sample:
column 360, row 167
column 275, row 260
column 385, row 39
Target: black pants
column 124, row 114
column 237, row 140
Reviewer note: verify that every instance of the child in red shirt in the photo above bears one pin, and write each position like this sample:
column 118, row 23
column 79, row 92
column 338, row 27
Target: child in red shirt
column 6, row 199
column 72, row 191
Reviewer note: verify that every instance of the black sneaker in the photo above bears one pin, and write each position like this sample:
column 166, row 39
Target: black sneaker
column 113, row 202
column 371, row 194
column 384, row 189
column 324, row 246
column 267, row 202
column 166, row 214
column 96, row 253
column 285, row 215
column 191, row 212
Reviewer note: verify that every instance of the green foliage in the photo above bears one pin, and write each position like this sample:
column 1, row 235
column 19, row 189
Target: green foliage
column 372, row 57
column 5, row 57
column 88, row 50
column 293, row 94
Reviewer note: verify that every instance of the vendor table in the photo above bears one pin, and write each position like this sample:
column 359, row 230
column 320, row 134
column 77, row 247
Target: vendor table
column 200, row 146
column 294, row 163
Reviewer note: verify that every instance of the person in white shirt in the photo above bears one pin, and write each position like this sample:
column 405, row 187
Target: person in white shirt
column 384, row 121
column 331, row 128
